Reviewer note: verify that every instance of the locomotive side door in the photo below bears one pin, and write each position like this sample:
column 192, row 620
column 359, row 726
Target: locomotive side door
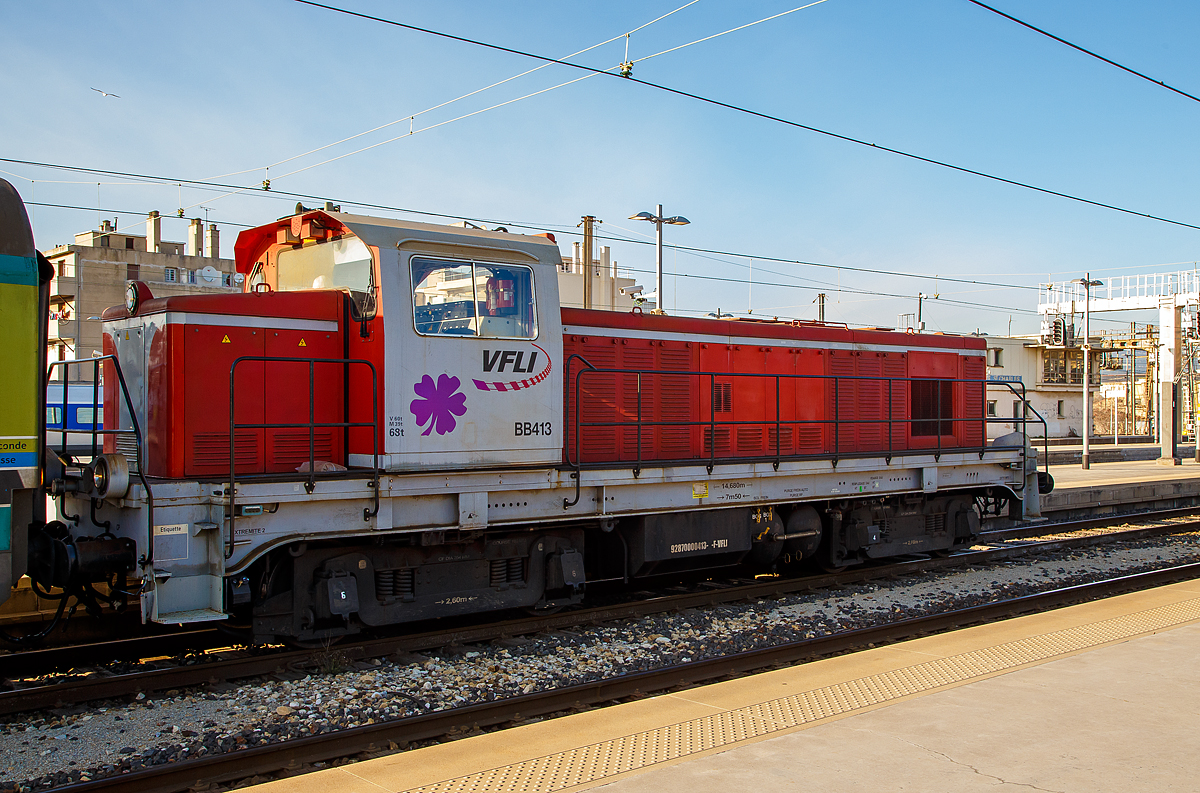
column 474, row 360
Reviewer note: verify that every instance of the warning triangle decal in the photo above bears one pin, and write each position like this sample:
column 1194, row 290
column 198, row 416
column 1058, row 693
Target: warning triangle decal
column 226, row 339
column 302, row 344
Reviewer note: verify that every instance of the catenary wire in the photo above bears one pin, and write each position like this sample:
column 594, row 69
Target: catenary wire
column 842, row 289
column 536, row 226
column 609, row 70
column 459, row 98
column 1085, row 51
column 755, row 113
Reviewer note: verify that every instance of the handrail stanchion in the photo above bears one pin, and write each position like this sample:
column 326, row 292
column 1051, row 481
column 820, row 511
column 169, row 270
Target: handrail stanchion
column 983, row 419
column 312, row 425
column 95, row 402
column 777, row 438
column 66, row 387
column 938, row 456
column 637, row 468
column 232, row 461
column 148, row 556
column 311, row 484
column 837, row 421
column 712, row 422
column 568, row 503
column 888, row 459
column 374, row 441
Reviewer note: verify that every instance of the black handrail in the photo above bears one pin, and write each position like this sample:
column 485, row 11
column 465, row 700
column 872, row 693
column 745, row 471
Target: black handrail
column 312, row 425
column 148, row 556
column 575, row 458
column 1026, row 408
column 567, row 503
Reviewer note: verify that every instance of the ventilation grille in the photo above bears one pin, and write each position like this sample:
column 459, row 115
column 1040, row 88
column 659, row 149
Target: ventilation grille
column 127, row 445
column 289, row 449
column 722, row 439
column 782, row 443
column 211, row 449
column 935, row 524
column 722, row 399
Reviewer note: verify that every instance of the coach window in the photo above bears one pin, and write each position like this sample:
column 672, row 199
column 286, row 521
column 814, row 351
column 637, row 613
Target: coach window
column 85, row 416
column 932, row 407
column 343, row 263
column 473, row 299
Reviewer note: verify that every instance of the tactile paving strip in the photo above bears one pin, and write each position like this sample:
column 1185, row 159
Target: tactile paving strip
column 585, row 764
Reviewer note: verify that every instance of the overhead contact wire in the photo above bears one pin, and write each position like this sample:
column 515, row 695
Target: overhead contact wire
column 1097, row 56
column 755, row 113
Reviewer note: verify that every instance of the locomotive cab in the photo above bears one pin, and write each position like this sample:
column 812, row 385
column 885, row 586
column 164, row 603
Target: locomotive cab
column 472, row 331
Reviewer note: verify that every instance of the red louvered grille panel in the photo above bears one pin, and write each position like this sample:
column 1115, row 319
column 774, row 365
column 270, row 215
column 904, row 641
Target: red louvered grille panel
column 781, row 442
column 597, row 402
column 210, row 453
column 842, row 402
column 642, row 360
column 896, row 368
column 289, row 448
column 721, row 433
column 675, row 397
column 843, row 396
column 972, row 409
column 870, row 403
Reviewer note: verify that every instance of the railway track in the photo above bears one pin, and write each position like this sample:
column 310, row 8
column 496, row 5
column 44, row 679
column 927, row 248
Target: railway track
column 235, row 664
column 293, row 754
column 24, row 662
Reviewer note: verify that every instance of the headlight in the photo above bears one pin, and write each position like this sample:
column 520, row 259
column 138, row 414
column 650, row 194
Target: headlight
column 131, row 298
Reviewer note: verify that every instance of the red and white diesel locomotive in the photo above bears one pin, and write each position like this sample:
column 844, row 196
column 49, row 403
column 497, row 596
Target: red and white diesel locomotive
column 398, row 421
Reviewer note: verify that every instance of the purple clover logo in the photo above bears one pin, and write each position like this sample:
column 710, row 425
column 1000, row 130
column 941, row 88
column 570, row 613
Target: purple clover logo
column 438, row 404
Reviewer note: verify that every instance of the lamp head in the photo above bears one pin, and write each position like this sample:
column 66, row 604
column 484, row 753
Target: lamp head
column 678, row 220
column 643, row 216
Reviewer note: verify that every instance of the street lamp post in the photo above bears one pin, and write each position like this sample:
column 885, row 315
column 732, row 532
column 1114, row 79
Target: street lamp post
column 658, row 220
column 1088, row 283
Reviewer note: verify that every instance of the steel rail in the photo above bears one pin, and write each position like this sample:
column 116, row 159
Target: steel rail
column 23, row 663
column 292, row 754
column 144, row 681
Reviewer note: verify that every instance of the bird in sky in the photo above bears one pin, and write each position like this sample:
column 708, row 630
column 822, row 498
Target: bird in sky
column 106, row 93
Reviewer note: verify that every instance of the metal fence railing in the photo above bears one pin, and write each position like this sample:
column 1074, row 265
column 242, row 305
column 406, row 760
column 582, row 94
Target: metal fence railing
column 98, row 429
column 887, row 389
column 312, row 425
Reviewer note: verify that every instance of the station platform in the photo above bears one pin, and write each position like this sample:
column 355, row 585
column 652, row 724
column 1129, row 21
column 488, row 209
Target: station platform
column 1072, row 453
column 1118, row 483
column 1100, row 696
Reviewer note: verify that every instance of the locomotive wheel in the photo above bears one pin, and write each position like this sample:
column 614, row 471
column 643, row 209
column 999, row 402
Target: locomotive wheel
column 828, row 568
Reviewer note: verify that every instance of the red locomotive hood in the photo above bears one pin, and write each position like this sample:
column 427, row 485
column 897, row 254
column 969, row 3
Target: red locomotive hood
column 319, row 304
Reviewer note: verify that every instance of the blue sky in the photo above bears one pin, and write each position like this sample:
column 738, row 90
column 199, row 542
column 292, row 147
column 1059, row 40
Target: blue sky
column 209, row 89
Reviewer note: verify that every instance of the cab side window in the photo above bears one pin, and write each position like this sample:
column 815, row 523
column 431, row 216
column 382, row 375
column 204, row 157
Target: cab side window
column 473, row 299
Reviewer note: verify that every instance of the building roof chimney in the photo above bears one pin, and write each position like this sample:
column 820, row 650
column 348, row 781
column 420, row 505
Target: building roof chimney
column 154, row 232
column 194, row 245
column 212, row 242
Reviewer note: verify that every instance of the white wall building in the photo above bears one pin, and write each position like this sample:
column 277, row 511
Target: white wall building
column 1052, row 382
